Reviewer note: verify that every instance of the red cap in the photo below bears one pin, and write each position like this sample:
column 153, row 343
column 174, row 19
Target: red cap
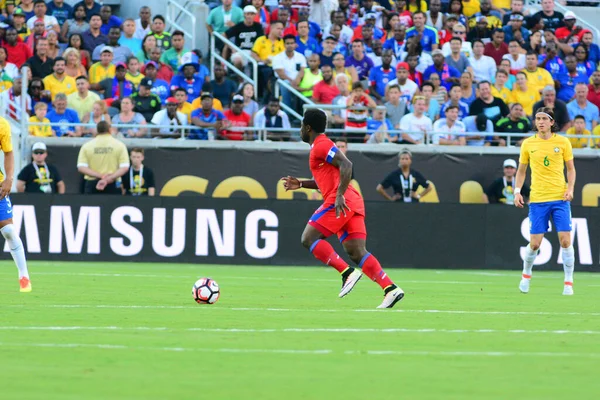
column 172, row 100
column 403, row 65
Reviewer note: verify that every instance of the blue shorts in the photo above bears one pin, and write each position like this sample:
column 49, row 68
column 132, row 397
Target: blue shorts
column 539, row 216
column 6, row 211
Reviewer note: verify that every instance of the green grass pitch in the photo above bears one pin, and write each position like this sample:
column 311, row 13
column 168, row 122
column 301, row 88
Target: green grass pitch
column 132, row 331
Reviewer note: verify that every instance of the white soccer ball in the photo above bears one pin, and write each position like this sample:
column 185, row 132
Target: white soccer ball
column 206, row 291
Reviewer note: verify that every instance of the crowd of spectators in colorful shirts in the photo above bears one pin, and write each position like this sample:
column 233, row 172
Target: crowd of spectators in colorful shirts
column 407, row 72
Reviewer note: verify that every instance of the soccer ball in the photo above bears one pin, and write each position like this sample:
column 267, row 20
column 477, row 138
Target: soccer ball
column 206, row 291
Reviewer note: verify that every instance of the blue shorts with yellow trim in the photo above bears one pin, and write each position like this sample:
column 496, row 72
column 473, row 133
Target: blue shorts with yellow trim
column 540, row 213
column 5, row 209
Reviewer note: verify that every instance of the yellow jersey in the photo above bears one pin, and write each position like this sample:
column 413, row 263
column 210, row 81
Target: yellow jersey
column 538, row 79
column 505, row 94
column 66, row 85
column 505, row 4
column 98, row 72
column 581, row 143
column 526, row 99
column 264, row 48
column 38, row 130
column 413, row 7
column 546, row 158
column 197, row 103
column 471, row 8
column 5, row 140
column 103, row 154
column 187, row 109
column 135, row 79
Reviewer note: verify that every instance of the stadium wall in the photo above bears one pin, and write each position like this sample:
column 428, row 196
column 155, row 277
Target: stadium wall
column 259, row 232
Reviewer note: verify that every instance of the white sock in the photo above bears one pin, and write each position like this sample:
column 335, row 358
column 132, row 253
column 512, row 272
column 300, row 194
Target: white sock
column 530, row 256
column 568, row 256
column 16, row 249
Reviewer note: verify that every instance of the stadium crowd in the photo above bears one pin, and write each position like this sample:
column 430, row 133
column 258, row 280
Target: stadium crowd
column 397, row 71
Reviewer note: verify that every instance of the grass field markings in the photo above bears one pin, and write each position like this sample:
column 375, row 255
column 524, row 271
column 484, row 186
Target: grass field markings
column 216, row 308
column 423, row 353
column 294, row 330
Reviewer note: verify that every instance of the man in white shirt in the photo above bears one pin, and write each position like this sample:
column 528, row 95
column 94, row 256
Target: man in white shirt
column 459, row 31
column 143, row 24
column 416, row 124
column 484, row 67
column 450, row 129
column 50, row 22
column 13, row 109
column 272, row 116
column 169, row 117
column 408, row 88
column 287, row 66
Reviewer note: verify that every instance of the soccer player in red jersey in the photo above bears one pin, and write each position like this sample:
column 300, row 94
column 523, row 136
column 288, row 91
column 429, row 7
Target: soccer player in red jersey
column 342, row 212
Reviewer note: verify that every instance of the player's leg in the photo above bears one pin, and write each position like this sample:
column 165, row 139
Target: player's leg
column 14, row 243
column 561, row 215
column 539, row 217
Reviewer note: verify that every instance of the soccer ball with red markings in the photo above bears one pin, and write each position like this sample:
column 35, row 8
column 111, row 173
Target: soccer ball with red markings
column 206, row 291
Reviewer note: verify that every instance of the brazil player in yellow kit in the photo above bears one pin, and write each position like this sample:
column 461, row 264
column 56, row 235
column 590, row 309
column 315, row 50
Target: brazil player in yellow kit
column 6, row 223
column 547, row 154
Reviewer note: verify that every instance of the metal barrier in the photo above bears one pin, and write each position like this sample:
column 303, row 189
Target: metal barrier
column 174, row 13
column 214, row 55
column 287, row 107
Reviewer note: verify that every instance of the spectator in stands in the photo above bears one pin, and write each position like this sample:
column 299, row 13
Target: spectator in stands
column 59, row 81
column 263, row 51
column 479, row 124
column 59, row 10
column 339, row 114
column 188, row 79
column 224, row 17
column 587, row 40
column 429, row 38
column 515, row 5
column 76, row 42
column 292, row 13
column 396, row 107
column 128, row 38
column 102, row 168
column 561, row 114
column 339, row 18
column 306, row 45
column 405, row 182
column 310, row 76
column 594, row 89
column 432, row 107
column 173, row 55
column 183, row 106
column 236, row 117
column 505, row 65
column 20, row 23
column 39, row 176
column 38, row 93
column 455, row 100
column 416, row 125
column 535, row 45
column 397, row 42
column 103, row 69
column 359, row 60
column 109, row 21
column 262, row 16
column 327, row 52
column 578, row 129
column 451, row 129
column 379, row 127
column 456, row 58
column 8, row 70
column 243, row 35
column 287, row 66
column 357, row 113
column 61, row 115
column 493, row 107
column 484, row 67
column 515, row 56
column 139, row 181
column 159, row 87
column 380, row 77
column 407, row 87
column 582, row 106
column 499, row 88
column 75, row 24
column 288, row 27
column 17, row 52
column 272, row 117
column 120, row 53
column 584, row 66
column 481, row 31
column 148, row 44
column 133, row 71
column 39, row 9
column 93, row 38
column 169, row 117
column 207, row 118
column 143, row 23
column 525, row 95
column 492, row 17
column 216, row 103
column 497, row 48
column 553, row 62
column 99, row 113
column 458, row 32
column 567, row 82
column 223, row 87
column 14, row 95
column 516, row 122
column 91, row 8
column 114, row 89
column 39, row 117
column 552, row 19
column 73, row 67
column 145, row 102
column 54, row 49
column 325, row 90
column 537, row 78
column 448, row 74
column 501, row 191
column 250, row 106
column 434, row 17
column 515, row 30
column 569, row 29
column 40, row 64
column 82, row 101
column 440, row 94
column 128, row 116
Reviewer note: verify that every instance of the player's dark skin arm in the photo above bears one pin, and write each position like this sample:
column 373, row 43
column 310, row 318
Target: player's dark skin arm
column 345, row 166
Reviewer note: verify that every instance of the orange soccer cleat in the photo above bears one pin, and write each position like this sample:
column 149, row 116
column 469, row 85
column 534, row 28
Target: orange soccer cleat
column 25, row 284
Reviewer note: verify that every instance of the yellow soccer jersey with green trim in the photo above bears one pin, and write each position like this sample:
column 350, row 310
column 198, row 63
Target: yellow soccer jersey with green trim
column 546, row 158
column 5, row 140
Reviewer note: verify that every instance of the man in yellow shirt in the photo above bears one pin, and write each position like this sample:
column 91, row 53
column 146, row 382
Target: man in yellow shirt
column 183, row 105
column 537, row 78
column 547, row 153
column 59, row 81
column 524, row 94
column 498, row 88
column 102, row 161
column 267, row 47
column 82, row 100
column 578, row 128
column 6, row 213
column 103, row 69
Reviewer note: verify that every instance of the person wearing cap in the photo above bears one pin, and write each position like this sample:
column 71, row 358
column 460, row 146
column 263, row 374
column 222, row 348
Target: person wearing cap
column 207, row 118
column 501, row 191
column 516, row 30
column 405, row 181
column 120, row 53
column 18, row 52
column 429, row 37
column 552, row 19
column 169, row 116
column 173, row 56
column 188, row 80
column 407, row 87
column 448, row 74
column 39, row 10
column 238, row 118
column 328, row 53
column 243, row 35
column 93, row 38
column 39, row 176
column 216, row 103
column 568, row 31
column 104, row 69
column 145, row 102
column 516, row 122
column 224, row 17
column 40, row 64
column 102, row 161
column 59, row 81
column 482, row 126
column 160, row 87
column 20, row 24
column 116, row 88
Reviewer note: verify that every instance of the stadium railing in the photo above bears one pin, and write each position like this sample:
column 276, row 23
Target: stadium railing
column 214, row 55
column 292, row 90
column 175, row 11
